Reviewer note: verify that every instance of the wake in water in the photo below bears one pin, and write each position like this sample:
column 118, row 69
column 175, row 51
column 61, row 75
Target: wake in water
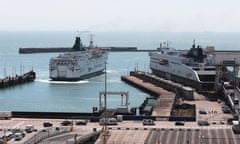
column 61, row 82
column 97, row 79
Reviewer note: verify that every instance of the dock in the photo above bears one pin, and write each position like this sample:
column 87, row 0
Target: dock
column 18, row 79
column 165, row 98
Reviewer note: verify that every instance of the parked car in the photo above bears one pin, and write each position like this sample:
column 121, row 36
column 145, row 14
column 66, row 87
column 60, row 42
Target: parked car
column 236, row 129
column 180, row 123
column 108, row 121
column 47, row 124
column 1, row 141
column 66, row 123
column 81, row 122
column 203, row 123
column 230, row 121
column 30, row 128
column 18, row 136
column 202, row 112
column 8, row 136
column 148, row 122
column 226, row 110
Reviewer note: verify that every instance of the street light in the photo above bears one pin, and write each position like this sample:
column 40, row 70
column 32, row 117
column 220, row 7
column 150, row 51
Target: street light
column 105, row 106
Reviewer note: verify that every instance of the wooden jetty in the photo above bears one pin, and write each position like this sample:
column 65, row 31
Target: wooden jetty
column 18, row 79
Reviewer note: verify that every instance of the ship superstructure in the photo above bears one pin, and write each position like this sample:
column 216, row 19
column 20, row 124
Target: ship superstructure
column 82, row 63
column 194, row 67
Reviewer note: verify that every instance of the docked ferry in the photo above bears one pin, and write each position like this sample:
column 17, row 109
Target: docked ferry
column 194, row 67
column 82, row 63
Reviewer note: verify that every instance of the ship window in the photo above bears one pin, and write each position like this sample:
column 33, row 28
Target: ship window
column 197, row 69
column 209, row 69
column 208, row 78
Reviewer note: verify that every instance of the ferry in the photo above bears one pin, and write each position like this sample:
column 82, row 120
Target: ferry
column 82, row 63
column 194, row 67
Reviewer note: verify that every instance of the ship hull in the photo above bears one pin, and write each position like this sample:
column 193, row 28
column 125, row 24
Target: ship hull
column 185, row 81
column 77, row 65
column 86, row 76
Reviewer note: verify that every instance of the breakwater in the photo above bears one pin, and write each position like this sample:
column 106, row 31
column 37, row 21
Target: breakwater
column 68, row 49
column 44, row 50
column 18, row 79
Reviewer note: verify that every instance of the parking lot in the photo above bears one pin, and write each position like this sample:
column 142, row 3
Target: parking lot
column 218, row 129
column 41, row 128
column 132, row 131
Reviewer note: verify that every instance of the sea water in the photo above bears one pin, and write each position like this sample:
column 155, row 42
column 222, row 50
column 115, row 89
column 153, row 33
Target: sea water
column 81, row 96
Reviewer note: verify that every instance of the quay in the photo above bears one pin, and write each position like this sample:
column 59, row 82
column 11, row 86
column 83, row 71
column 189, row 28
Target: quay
column 18, row 79
column 125, row 132
column 166, row 98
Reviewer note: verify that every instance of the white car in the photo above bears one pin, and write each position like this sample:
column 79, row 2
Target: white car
column 148, row 122
column 29, row 128
column 18, row 136
column 108, row 121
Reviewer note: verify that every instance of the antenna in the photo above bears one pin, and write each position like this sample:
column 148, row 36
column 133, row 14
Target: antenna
column 5, row 71
column 193, row 43
column 91, row 40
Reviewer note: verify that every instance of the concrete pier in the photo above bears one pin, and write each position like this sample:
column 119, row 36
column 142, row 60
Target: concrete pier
column 184, row 91
column 165, row 99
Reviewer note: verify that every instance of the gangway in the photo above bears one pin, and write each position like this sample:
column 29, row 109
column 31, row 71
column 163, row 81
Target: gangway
column 121, row 93
column 232, row 94
column 230, row 90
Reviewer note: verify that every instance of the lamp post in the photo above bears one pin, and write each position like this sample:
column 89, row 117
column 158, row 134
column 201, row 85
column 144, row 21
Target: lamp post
column 105, row 106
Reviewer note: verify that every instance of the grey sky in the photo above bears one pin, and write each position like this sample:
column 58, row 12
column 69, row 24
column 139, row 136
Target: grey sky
column 121, row 15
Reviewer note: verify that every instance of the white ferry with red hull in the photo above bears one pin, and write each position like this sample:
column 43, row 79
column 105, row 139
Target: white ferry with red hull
column 194, row 67
column 85, row 62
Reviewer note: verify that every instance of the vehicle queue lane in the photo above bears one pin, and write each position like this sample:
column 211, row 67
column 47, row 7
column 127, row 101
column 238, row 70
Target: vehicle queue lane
column 135, row 131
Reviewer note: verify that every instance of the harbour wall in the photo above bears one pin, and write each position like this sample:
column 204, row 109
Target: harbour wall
column 94, row 117
column 69, row 49
column 54, row 115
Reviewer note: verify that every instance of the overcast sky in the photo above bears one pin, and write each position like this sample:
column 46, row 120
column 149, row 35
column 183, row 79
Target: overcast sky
column 121, row 15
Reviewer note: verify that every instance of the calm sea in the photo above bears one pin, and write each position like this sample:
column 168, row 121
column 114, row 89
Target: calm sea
column 81, row 96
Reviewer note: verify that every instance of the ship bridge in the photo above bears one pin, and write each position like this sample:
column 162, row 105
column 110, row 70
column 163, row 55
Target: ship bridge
column 226, row 58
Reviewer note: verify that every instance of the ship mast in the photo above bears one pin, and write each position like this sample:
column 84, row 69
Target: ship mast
column 91, row 41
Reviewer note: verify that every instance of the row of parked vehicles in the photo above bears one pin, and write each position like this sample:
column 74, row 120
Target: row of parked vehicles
column 69, row 123
column 16, row 133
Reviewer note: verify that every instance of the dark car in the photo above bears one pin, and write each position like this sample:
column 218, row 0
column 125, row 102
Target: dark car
column 202, row 112
column 230, row 120
column 179, row 123
column 236, row 129
column 226, row 110
column 203, row 123
column 47, row 124
column 66, row 123
column 81, row 122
